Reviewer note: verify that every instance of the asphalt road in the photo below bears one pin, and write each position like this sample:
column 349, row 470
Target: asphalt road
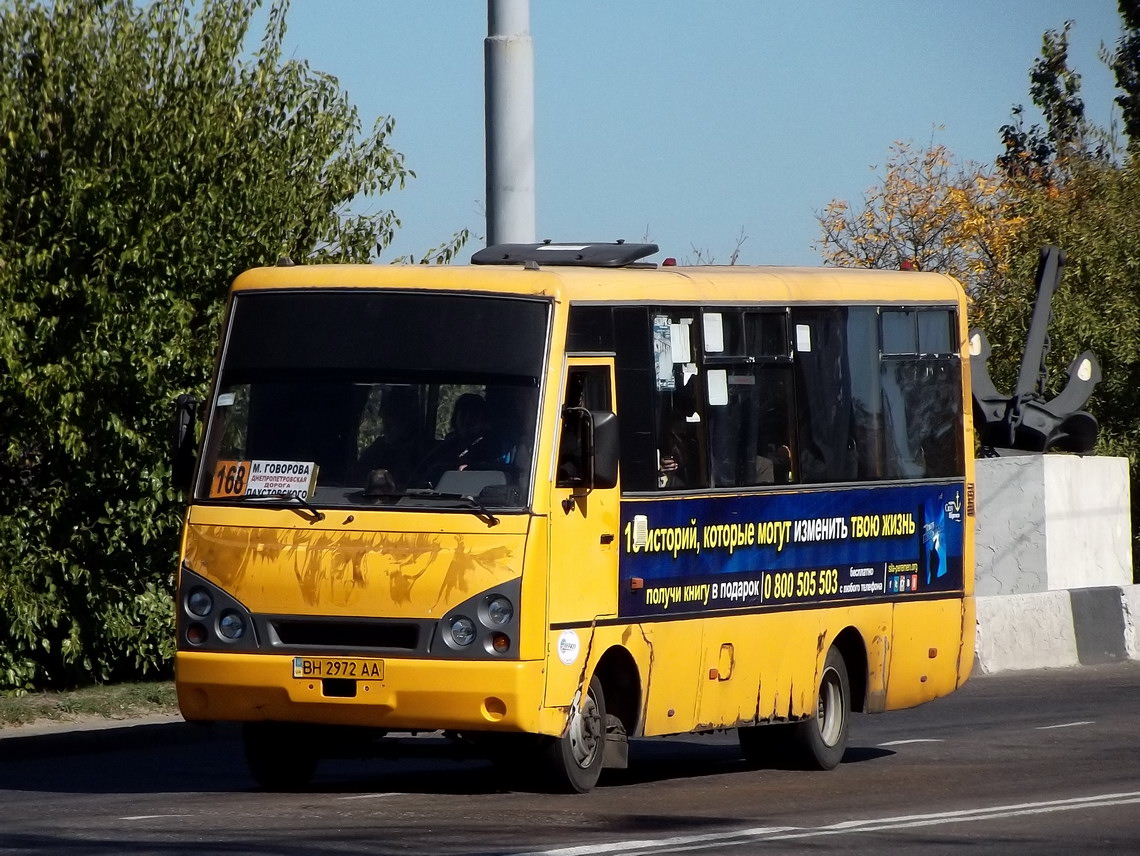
column 1042, row 762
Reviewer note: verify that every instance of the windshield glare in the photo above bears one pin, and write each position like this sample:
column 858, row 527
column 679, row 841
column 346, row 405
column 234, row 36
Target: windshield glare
column 374, row 430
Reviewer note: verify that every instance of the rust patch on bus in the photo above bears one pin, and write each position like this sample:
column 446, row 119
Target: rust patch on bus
column 648, row 677
column 820, row 642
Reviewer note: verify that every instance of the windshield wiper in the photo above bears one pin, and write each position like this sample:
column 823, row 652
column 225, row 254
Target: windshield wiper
column 317, row 514
column 479, row 509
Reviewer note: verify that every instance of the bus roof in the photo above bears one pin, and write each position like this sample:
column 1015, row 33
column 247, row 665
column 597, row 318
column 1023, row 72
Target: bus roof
column 704, row 285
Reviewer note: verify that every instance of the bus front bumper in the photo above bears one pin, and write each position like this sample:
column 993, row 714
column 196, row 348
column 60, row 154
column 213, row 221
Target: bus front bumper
column 413, row 695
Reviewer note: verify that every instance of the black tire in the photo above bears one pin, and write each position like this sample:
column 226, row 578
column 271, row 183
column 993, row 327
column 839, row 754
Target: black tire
column 822, row 739
column 815, row 743
column 281, row 756
column 573, row 761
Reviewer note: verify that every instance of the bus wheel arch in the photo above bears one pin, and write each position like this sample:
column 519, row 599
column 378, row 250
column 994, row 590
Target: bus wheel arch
column 851, row 646
column 621, row 682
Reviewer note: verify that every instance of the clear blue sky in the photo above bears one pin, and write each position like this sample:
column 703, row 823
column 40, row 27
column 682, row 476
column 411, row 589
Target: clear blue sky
column 688, row 122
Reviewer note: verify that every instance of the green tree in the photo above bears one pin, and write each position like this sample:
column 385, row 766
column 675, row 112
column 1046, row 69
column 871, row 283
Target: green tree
column 146, row 157
column 1055, row 88
column 1125, row 64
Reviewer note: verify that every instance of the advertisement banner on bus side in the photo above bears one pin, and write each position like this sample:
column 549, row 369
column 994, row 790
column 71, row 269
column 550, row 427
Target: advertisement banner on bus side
column 682, row 555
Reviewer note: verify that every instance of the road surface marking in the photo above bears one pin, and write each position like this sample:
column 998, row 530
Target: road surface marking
column 151, row 816
column 366, row 796
column 768, row 833
column 1065, row 725
column 914, row 740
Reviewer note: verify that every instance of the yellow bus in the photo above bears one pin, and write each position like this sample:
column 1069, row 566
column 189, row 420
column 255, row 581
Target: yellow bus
column 562, row 497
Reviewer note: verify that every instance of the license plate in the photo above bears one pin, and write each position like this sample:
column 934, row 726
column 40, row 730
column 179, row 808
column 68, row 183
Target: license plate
column 338, row 667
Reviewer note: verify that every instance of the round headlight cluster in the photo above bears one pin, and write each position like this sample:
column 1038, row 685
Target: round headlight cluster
column 199, row 602
column 499, row 611
column 462, row 631
column 493, row 613
column 231, row 625
column 209, row 620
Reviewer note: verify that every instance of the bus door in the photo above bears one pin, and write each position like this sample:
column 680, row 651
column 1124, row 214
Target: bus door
column 583, row 530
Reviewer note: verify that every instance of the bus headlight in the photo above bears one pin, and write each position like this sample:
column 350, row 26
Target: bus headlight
column 499, row 611
column 231, row 625
column 199, row 602
column 462, row 631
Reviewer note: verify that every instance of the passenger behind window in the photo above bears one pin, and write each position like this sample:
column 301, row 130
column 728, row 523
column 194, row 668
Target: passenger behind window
column 386, row 465
column 774, row 466
column 773, row 460
column 678, row 451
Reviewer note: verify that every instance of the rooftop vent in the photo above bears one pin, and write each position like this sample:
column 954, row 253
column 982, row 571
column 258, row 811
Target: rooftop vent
column 617, row 254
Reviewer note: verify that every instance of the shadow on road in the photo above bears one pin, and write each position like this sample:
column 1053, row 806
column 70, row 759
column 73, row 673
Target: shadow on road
column 183, row 758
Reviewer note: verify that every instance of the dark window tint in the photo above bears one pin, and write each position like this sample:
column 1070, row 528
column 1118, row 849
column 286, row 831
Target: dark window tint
column 866, row 402
column 922, row 418
column 636, row 390
column 586, row 387
column 934, row 331
column 723, row 333
column 356, row 333
column 751, row 427
column 590, row 329
column 768, row 333
column 828, row 450
column 818, row 395
column 899, row 332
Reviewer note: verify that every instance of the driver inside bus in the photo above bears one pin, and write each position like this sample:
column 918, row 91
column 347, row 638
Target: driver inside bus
column 472, row 442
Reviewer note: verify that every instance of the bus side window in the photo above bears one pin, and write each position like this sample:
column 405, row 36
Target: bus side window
column 588, row 387
column 828, row 447
column 679, row 408
column 921, row 402
column 751, row 424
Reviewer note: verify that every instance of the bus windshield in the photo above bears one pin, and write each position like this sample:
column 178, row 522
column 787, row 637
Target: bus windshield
column 370, row 399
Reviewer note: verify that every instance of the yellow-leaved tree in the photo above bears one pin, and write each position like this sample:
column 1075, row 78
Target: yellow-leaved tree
column 927, row 213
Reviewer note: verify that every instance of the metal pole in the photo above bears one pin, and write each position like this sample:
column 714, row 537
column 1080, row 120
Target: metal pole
column 509, row 88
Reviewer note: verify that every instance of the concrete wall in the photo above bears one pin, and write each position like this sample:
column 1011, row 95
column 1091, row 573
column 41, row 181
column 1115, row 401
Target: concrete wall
column 1055, row 629
column 1052, row 522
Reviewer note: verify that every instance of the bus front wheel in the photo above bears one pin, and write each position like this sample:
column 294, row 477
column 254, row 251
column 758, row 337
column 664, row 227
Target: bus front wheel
column 574, row 760
column 281, row 756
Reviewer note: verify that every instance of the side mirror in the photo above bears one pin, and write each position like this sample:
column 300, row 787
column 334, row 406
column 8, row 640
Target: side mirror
column 605, row 448
column 183, row 456
column 590, row 458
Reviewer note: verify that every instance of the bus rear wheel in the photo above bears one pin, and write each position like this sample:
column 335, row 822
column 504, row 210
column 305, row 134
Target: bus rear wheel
column 815, row 743
column 281, row 756
column 822, row 739
column 573, row 762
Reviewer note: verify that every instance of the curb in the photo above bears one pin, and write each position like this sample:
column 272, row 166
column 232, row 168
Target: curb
column 1057, row 629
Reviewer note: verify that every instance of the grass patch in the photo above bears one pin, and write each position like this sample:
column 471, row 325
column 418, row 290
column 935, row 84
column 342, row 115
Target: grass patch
column 117, row 701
